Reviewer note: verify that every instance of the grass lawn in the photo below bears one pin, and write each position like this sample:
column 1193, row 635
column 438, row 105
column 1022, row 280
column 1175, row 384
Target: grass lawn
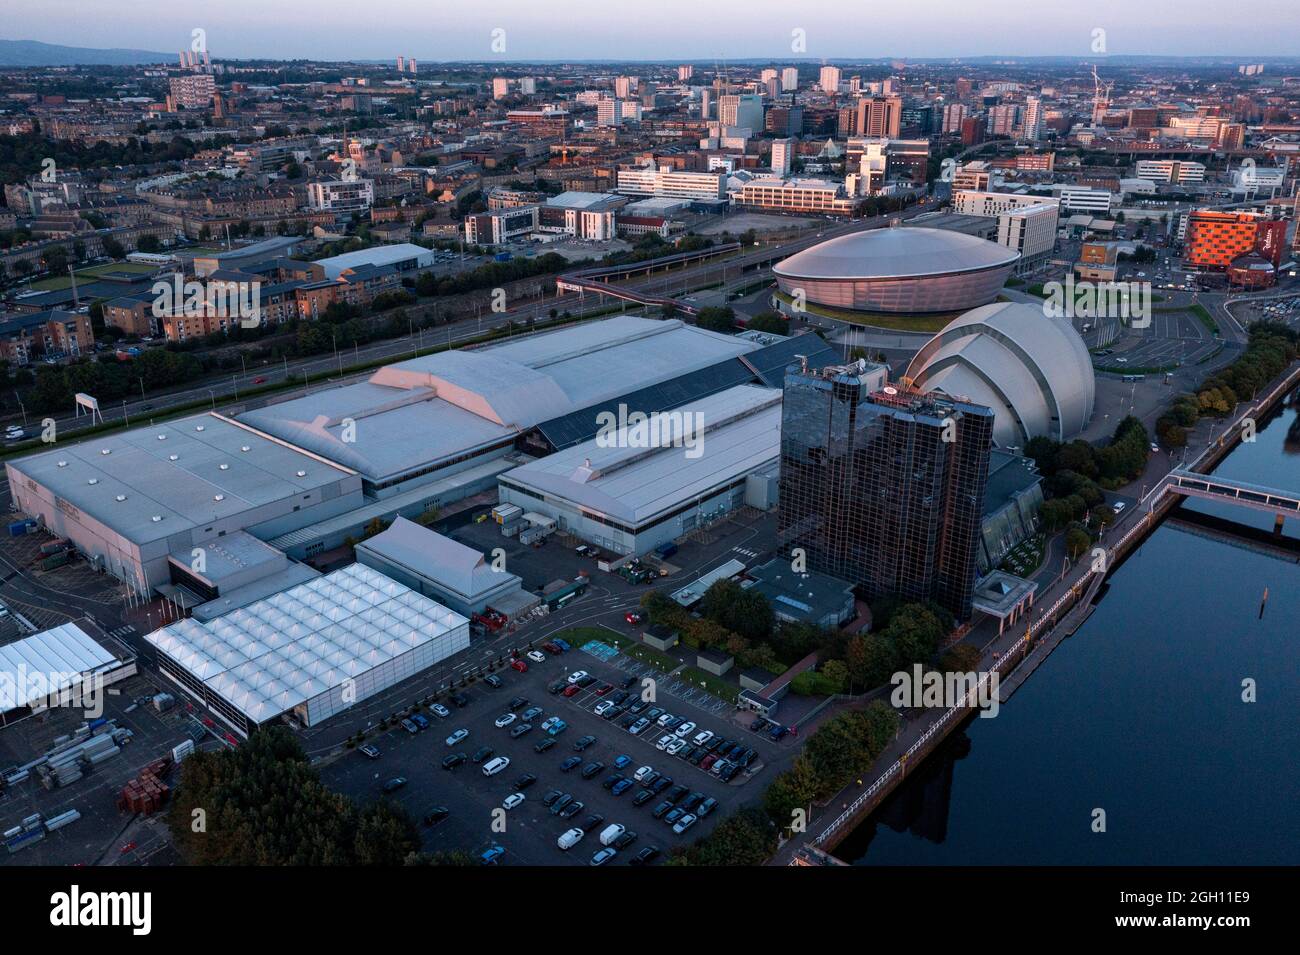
column 715, row 685
column 59, row 282
column 892, row 322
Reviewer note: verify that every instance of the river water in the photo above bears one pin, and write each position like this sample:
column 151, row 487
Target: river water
column 1139, row 714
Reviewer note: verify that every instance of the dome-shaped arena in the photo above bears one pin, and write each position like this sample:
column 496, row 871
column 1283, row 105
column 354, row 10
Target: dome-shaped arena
column 1032, row 369
column 902, row 269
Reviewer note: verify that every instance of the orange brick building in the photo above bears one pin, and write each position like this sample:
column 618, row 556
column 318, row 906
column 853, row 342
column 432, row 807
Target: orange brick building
column 1214, row 239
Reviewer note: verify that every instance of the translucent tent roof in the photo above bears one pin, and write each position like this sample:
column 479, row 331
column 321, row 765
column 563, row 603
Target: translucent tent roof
column 277, row 653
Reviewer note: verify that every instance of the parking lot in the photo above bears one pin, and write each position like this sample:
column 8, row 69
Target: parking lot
column 531, row 829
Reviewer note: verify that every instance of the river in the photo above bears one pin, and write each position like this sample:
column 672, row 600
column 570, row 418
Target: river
column 1139, row 714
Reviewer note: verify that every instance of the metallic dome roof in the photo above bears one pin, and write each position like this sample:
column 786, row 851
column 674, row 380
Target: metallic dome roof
column 903, row 252
column 1030, row 367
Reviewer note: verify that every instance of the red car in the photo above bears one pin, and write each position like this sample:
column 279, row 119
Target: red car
column 605, row 689
column 572, row 690
column 259, row 380
column 519, row 665
column 552, row 648
column 634, row 617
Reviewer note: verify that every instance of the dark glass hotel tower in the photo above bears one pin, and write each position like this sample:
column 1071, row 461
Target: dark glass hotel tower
column 884, row 488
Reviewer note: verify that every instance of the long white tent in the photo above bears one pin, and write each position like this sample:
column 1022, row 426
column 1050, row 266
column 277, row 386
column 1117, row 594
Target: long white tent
column 49, row 665
column 313, row 650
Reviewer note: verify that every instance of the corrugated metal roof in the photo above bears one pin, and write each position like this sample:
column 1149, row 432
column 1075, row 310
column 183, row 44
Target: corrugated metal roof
column 46, row 663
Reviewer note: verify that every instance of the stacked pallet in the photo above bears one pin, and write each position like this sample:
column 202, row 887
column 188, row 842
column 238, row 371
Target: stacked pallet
column 146, row 793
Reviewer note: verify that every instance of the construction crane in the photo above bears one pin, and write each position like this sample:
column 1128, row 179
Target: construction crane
column 1100, row 96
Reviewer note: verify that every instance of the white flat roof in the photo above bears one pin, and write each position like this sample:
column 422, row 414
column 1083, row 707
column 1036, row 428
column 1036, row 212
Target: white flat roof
column 633, row 484
column 46, row 663
column 418, row 412
column 274, row 654
column 376, row 255
column 150, row 483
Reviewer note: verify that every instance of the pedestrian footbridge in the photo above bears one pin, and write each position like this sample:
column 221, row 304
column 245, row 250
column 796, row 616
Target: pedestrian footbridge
column 1211, row 488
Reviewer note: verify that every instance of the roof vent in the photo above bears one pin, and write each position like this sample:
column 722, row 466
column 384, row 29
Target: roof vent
column 218, row 497
column 63, row 464
column 120, row 498
column 302, row 474
column 156, row 518
column 173, row 457
column 162, row 437
column 244, row 448
column 93, row 481
column 105, row 450
column 225, row 467
column 198, row 427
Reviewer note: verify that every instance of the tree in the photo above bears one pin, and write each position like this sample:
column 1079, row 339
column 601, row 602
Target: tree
column 745, row 838
column 796, row 788
column 871, row 660
column 386, row 835
column 962, row 658
column 1077, row 540
column 741, row 611
column 717, row 318
column 772, row 322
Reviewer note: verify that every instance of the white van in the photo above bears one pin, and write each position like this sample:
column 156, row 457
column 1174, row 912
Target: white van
column 611, row 833
column 570, row 839
column 494, row 766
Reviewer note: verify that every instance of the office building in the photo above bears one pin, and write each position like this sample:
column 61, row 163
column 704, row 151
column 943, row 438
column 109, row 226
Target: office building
column 953, row 116
column 744, row 111
column 341, row 195
column 671, row 183
column 829, row 79
column 1031, row 231
column 782, row 156
column 883, row 486
column 789, row 79
column 879, row 116
column 797, row 195
column 1177, row 171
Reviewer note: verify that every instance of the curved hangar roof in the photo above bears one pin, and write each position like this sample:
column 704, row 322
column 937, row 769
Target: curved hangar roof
column 1032, row 369
column 902, row 270
column 903, row 252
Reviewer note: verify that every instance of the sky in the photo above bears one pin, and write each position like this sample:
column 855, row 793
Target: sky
column 433, row 30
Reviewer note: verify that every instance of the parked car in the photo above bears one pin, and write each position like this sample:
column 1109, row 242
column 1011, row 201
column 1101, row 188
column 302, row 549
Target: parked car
column 706, row 807
column 572, row 689
column 622, row 760
column 518, row 703
column 457, row 736
column 592, row 769
column 394, row 784
column 603, row 855
column 544, row 745
column 482, row 755
column 519, row 665
column 439, row 710
column 645, row 856
column 577, row 675
column 603, row 707
column 505, row 719
column 410, row 727
column 638, row 726
column 570, row 838
column 622, row 786
column 557, row 686
column 623, row 840
column 520, row 730
column 513, row 800
column 370, row 750
column 493, row 681
column 420, row 720
column 571, row 763
column 661, row 810
column 459, row 700
column 491, row 856
column 494, row 766
column 684, row 823
column 436, row 815
column 536, row 656
column 583, row 743
column 571, row 810
column 524, row 781
column 551, row 795
column 634, row 617
column 643, row 797
column 454, row 760
column 684, row 729
column 531, row 714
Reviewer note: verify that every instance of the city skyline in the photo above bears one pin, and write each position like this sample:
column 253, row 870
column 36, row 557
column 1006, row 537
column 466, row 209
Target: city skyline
column 244, row 29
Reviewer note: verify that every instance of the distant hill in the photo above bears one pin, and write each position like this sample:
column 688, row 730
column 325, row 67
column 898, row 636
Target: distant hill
column 35, row 53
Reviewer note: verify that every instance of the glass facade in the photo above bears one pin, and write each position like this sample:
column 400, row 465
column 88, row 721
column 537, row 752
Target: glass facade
column 884, row 488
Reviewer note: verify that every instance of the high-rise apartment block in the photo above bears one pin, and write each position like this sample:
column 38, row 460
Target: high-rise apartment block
column 883, row 487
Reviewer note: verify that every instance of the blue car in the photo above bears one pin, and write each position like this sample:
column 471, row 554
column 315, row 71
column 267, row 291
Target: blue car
column 563, row 645
column 621, row 787
column 420, row 721
column 621, row 761
column 490, row 856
